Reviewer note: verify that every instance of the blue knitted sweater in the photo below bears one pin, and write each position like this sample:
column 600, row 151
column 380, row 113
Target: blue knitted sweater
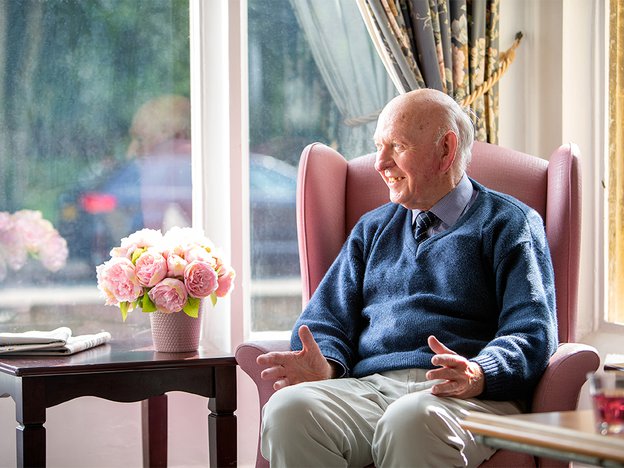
column 484, row 288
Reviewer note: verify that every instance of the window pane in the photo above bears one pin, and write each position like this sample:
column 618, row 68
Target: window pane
column 291, row 105
column 95, row 135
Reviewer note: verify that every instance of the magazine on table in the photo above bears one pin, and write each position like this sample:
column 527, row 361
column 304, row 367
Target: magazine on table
column 49, row 343
column 614, row 362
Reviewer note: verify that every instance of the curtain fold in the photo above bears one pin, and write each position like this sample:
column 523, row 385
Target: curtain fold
column 354, row 74
column 616, row 163
column 449, row 45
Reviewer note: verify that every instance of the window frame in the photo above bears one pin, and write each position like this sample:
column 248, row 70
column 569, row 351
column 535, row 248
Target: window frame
column 219, row 129
column 603, row 322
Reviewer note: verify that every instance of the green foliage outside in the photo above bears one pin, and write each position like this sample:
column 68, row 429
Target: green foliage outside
column 289, row 103
column 73, row 74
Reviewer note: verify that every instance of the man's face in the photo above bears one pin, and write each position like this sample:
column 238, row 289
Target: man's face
column 407, row 156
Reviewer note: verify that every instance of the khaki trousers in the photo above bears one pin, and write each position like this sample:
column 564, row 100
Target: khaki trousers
column 389, row 419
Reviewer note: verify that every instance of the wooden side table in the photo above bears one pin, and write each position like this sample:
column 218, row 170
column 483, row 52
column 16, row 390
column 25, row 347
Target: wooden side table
column 565, row 435
column 123, row 372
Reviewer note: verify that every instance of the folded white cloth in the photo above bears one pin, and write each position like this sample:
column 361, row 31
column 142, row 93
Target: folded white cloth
column 59, row 341
column 58, row 335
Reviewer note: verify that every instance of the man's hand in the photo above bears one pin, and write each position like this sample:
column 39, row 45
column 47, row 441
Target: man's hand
column 293, row 367
column 462, row 378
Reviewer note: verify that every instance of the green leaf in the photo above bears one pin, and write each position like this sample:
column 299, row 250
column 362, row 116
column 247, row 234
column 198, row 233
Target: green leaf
column 191, row 308
column 213, row 299
column 123, row 306
column 147, row 305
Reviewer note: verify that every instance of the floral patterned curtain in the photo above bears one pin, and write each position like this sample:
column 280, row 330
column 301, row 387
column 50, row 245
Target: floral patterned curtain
column 616, row 162
column 450, row 45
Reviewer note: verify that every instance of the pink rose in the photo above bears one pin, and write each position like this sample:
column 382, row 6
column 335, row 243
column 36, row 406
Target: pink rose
column 200, row 279
column 151, row 268
column 117, row 280
column 175, row 265
column 32, row 228
column 12, row 247
column 188, row 236
column 53, row 252
column 169, row 295
column 226, row 281
column 198, row 254
column 143, row 239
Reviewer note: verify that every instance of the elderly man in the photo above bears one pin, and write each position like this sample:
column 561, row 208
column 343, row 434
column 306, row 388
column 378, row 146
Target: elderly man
column 440, row 302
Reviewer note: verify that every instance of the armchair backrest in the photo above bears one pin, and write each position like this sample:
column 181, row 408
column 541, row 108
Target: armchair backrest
column 332, row 194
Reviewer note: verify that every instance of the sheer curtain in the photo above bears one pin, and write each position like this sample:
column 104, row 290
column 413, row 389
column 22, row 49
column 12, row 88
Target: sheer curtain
column 450, row 45
column 616, row 162
column 351, row 69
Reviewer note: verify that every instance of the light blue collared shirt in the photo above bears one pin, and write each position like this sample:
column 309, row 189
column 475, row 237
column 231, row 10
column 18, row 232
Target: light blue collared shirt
column 451, row 207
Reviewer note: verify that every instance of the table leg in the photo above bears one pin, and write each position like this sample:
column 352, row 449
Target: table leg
column 30, row 411
column 222, row 421
column 154, row 426
column 31, row 445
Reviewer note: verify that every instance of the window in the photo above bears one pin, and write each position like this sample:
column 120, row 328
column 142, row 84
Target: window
column 313, row 76
column 77, row 100
column 94, row 134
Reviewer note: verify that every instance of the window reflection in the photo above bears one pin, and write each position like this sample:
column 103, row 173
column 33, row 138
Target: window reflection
column 313, row 76
column 95, row 134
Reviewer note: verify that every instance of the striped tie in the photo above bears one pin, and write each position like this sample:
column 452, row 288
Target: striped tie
column 424, row 220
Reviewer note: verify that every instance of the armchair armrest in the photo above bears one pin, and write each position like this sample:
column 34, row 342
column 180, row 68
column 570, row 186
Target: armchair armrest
column 246, row 355
column 559, row 387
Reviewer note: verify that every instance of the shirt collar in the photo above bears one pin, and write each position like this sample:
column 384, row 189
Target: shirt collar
column 453, row 204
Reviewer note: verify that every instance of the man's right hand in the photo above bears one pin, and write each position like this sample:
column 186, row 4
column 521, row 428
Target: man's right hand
column 293, row 367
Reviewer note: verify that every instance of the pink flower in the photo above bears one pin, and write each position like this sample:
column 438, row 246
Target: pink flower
column 143, row 239
column 13, row 251
column 198, row 254
column 174, row 271
column 117, row 280
column 175, row 265
column 26, row 232
column 53, row 252
column 169, row 295
column 33, row 229
column 200, row 279
column 187, row 236
column 151, row 267
column 226, row 281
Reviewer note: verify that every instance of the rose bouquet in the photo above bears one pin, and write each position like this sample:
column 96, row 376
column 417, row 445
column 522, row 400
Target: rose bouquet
column 169, row 273
column 25, row 234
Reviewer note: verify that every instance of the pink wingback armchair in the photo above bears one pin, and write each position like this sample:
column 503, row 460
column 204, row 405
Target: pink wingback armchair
column 333, row 193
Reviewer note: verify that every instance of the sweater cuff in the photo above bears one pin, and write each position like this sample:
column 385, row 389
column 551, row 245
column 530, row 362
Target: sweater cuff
column 494, row 381
column 341, row 371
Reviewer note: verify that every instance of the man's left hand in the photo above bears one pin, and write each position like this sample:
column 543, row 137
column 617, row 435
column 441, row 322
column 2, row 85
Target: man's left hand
column 462, row 378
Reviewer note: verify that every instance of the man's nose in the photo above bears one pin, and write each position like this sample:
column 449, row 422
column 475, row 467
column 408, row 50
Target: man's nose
column 383, row 160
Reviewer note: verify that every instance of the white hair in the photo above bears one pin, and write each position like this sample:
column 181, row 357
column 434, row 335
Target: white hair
column 457, row 119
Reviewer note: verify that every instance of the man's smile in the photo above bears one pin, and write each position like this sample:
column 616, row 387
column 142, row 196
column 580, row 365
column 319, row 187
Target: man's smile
column 393, row 180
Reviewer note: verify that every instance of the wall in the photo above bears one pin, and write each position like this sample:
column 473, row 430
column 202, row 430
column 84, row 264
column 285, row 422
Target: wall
column 553, row 94
column 556, row 92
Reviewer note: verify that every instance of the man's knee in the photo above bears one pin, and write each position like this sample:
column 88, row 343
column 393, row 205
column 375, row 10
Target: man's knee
column 286, row 409
column 300, row 429
column 412, row 428
column 411, row 413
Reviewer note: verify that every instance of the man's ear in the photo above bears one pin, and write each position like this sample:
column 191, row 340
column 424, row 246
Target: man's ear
column 448, row 150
